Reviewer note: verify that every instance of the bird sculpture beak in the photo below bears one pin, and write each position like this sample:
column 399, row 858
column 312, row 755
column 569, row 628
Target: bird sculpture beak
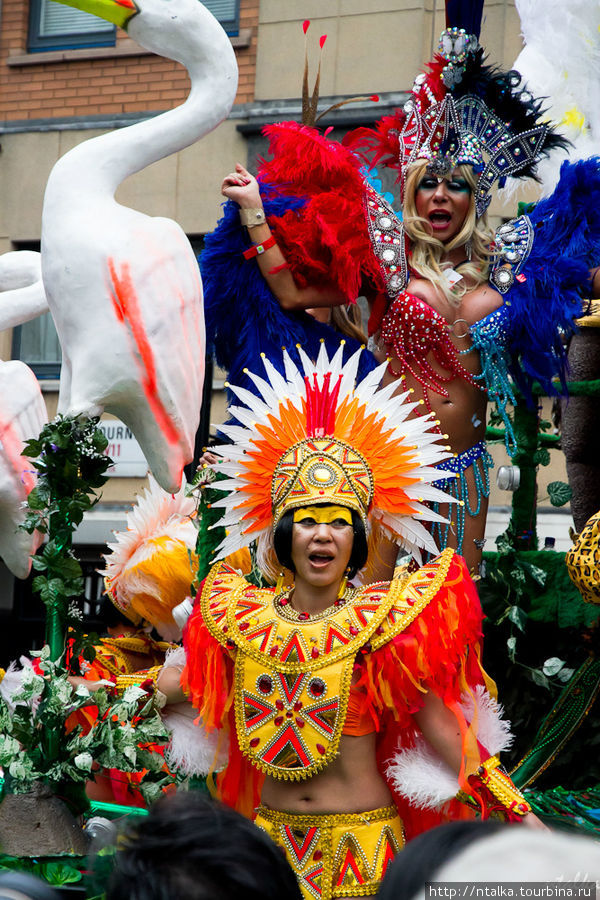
column 119, row 12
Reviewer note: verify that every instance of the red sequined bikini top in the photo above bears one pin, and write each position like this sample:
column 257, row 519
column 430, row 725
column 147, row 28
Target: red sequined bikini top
column 415, row 330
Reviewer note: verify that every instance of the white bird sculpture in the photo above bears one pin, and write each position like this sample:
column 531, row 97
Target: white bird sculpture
column 124, row 288
column 22, row 408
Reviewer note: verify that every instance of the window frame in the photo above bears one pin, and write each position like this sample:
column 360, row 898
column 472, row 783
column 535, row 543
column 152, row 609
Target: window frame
column 230, row 26
column 103, row 37
column 67, row 40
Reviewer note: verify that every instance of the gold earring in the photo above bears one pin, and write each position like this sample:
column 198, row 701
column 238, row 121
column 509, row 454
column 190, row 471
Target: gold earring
column 279, row 585
column 343, row 585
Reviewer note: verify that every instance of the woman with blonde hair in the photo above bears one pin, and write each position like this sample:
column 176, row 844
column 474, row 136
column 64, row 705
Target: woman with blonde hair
column 463, row 315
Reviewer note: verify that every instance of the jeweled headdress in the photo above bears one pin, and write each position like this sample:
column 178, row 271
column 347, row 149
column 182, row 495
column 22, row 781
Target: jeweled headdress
column 463, row 111
column 317, row 437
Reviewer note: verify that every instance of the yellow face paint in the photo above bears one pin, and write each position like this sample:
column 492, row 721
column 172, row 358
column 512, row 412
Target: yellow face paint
column 323, row 515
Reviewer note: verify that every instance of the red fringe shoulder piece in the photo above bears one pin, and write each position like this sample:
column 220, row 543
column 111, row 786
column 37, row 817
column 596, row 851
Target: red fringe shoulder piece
column 208, row 674
column 208, row 680
column 438, row 652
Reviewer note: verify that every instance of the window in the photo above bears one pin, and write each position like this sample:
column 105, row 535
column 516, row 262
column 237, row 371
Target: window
column 36, row 343
column 227, row 12
column 53, row 26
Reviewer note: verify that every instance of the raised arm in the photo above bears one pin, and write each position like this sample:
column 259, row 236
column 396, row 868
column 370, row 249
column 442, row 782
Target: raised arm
column 243, row 188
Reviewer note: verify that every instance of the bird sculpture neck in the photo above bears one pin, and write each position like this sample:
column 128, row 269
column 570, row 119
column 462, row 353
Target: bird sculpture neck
column 102, row 163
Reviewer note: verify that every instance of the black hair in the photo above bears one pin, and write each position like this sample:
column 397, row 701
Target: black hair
column 190, row 846
column 423, row 857
column 282, row 541
column 110, row 615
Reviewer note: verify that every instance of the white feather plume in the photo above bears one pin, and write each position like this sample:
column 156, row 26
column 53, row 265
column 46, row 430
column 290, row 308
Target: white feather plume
column 561, row 63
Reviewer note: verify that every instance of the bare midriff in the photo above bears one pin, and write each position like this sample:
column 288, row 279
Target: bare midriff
column 349, row 784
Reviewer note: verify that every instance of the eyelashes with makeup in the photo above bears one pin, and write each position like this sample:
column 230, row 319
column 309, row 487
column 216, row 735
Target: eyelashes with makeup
column 456, row 186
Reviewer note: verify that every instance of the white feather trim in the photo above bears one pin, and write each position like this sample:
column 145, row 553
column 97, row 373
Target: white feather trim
column 421, row 776
column 175, row 657
column 191, row 750
column 493, row 732
column 12, row 682
column 182, row 612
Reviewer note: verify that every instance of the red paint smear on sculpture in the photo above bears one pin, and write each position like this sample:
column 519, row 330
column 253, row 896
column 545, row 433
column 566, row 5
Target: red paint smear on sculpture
column 127, row 309
column 12, row 445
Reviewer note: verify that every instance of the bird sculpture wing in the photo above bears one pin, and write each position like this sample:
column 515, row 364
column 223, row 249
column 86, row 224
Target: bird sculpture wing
column 22, row 417
column 21, row 288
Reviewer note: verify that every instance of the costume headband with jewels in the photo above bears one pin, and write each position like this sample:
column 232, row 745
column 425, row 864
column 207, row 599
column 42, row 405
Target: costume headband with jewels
column 317, row 437
column 462, row 111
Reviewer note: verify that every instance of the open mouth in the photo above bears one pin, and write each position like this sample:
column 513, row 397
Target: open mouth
column 320, row 558
column 439, row 218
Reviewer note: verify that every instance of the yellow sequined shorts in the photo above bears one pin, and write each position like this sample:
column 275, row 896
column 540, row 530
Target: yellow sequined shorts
column 336, row 855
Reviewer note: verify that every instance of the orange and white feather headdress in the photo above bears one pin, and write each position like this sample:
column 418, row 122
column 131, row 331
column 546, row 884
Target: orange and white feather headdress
column 151, row 566
column 318, row 437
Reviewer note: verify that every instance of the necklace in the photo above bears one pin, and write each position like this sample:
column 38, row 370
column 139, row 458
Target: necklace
column 285, row 609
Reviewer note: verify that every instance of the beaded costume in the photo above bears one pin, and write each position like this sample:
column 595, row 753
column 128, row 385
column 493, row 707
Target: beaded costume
column 282, row 688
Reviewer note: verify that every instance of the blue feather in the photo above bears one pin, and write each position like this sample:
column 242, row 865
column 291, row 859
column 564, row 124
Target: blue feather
column 542, row 308
column 243, row 317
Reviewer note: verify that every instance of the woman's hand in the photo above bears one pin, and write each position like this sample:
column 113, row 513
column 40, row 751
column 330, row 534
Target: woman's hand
column 532, row 821
column 92, row 686
column 242, row 187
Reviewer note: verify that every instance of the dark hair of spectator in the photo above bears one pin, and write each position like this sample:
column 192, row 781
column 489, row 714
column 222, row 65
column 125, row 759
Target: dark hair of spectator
column 282, row 541
column 191, row 847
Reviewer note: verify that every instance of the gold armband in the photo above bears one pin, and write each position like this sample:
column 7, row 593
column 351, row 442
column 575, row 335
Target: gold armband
column 145, row 679
column 252, row 217
column 495, row 793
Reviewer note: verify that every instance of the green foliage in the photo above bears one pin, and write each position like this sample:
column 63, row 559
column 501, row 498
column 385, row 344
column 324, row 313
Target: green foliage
column 541, row 457
column 53, row 871
column 559, row 493
column 124, row 728
column 209, row 536
column 71, row 464
column 57, row 873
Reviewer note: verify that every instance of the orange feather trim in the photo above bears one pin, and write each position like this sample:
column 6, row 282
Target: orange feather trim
column 208, row 674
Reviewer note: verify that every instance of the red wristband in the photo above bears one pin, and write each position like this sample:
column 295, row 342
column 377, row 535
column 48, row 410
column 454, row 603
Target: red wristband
column 259, row 249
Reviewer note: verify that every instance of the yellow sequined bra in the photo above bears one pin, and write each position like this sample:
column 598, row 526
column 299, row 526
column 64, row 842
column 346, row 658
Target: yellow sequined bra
column 293, row 676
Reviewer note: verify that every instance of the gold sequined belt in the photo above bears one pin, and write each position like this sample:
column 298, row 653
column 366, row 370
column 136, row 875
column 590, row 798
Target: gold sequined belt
column 336, row 854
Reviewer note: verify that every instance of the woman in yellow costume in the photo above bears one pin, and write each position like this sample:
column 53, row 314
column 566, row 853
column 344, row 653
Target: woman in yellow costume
column 324, row 692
